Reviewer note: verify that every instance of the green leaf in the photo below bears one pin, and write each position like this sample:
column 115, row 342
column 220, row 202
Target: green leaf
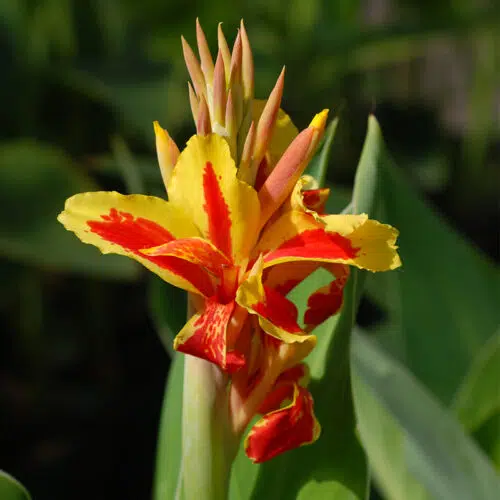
column 478, row 398
column 167, row 307
column 318, row 166
column 442, row 304
column 35, row 180
column 416, row 448
column 169, row 444
column 12, row 489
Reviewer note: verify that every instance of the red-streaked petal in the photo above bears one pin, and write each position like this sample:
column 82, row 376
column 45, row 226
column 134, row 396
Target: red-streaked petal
column 196, row 250
column 283, row 387
column 225, row 209
column 298, row 236
column 205, row 336
column 284, row 429
column 126, row 225
column 277, row 315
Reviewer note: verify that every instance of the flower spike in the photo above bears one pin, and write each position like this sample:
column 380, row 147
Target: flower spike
column 247, row 65
column 219, row 91
column 194, row 68
column 203, row 125
column 207, row 64
column 283, row 178
column 246, row 157
column 167, row 152
column 224, row 49
column 267, row 120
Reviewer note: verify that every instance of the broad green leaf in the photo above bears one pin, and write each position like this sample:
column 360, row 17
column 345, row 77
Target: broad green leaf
column 167, row 481
column 318, row 166
column 12, row 489
column 442, row 304
column 478, row 398
column 35, row 180
column 410, row 437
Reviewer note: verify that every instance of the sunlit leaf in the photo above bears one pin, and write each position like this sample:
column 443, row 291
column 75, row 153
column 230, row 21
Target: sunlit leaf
column 167, row 483
column 410, row 438
column 442, row 304
column 12, row 489
column 478, row 398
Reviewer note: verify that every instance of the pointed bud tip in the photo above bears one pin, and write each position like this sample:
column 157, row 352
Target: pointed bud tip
column 319, row 121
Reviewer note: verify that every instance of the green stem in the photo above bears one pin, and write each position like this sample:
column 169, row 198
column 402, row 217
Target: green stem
column 208, row 448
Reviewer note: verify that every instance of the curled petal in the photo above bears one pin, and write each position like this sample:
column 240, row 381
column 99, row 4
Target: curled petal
column 284, row 429
column 277, row 315
column 126, row 225
column 205, row 336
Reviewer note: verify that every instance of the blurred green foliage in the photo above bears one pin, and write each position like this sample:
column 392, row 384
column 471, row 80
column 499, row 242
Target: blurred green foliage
column 82, row 371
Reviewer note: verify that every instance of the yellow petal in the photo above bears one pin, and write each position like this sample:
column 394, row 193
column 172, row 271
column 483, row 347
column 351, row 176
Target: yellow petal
column 126, row 225
column 225, row 209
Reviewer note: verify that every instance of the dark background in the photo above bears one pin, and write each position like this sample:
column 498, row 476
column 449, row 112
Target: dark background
column 82, row 369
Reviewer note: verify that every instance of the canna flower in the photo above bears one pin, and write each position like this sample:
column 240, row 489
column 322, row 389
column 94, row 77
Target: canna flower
column 239, row 231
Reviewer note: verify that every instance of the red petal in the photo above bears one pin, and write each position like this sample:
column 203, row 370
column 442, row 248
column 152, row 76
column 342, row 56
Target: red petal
column 284, row 429
column 217, row 210
column 205, row 335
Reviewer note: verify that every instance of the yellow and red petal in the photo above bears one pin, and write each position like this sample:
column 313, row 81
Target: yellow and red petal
column 196, row 250
column 126, row 225
column 283, row 387
column 205, row 336
column 347, row 239
column 277, row 315
column 225, row 209
column 308, row 197
column 284, row 429
column 375, row 242
column 297, row 236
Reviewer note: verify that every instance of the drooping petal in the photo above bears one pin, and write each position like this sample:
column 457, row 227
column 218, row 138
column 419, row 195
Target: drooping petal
column 298, row 374
column 326, row 301
column 321, row 303
column 284, row 429
column 225, row 209
column 205, row 336
column 126, row 225
column 347, row 239
column 277, row 315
